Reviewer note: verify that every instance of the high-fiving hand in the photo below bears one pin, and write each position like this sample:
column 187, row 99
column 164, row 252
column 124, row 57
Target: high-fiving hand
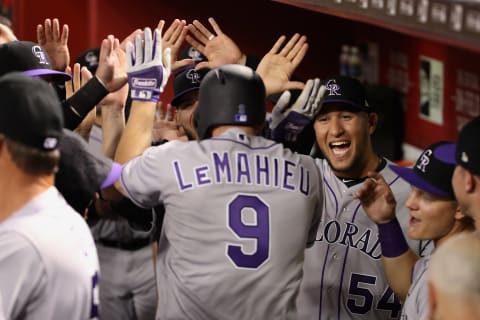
column 148, row 66
column 289, row 120
column 277, row 66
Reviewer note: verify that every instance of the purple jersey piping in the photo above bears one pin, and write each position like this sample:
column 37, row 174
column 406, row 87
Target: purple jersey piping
column 328, row 249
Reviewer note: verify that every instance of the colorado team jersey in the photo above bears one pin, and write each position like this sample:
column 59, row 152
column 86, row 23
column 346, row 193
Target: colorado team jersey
column 415, row 306
column 239, row 212
column 343, row 276
column 48, row 262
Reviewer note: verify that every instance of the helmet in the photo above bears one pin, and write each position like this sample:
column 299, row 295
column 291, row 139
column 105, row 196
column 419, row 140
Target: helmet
column 230, row 95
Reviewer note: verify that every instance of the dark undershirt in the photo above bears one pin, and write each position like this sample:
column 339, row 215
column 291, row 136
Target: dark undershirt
column 349, row 182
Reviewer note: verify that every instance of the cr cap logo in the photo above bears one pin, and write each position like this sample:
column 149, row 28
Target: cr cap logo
column 38, row 52
column 332, row 87
column 193, row 76
column 464, row 157
column 50, row 143
column 424, row 160
column 91, row 59
column 194, row 54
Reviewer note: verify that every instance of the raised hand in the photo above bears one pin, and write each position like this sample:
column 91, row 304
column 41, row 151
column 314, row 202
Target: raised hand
column 165, row 126
column 54, row 43
column 289, row 120
column 377, row 198
column 148, row 66
column 277, row 66
column 216, row 46
column 80, row 77
column 6, row 34
column 173, row 38
column 111, row 69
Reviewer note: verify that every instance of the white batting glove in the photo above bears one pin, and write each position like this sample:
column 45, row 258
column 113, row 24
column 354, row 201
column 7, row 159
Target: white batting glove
column 148, row 66
column 288, row 121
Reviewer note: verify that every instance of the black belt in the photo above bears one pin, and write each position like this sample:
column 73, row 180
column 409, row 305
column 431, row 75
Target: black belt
column 133, row 245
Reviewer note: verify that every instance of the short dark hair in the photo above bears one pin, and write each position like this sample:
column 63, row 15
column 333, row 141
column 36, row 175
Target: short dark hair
column 31, row 160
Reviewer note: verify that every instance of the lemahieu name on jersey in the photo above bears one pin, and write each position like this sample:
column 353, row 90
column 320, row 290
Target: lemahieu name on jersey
column 240, row 168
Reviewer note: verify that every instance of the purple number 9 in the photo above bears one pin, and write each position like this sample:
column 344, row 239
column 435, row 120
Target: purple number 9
column 259, row 231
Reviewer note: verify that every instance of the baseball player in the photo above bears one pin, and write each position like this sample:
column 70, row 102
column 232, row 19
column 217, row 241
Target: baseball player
column 48, row 262
column 127, row 290
column 186, row 84
column 239, row 255
column 343, row 276
column 466, row 177
column 434, row 215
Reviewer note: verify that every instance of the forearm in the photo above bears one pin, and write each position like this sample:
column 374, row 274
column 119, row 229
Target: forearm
column 76, row 108
column 397, row 258
column 137, row 135
column 398, row 271
column 113, row 124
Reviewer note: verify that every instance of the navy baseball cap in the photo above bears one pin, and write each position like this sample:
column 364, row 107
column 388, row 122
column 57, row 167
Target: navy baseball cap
column 186, row 80
column 29, row 58
column 82, row 172
column 430, row 173
column 30, row 111
column 466, row 152
column 347, row 91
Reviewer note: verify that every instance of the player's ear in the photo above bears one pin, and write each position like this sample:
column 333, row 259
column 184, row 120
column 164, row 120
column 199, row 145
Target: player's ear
column 372, row 122
column 470, row 181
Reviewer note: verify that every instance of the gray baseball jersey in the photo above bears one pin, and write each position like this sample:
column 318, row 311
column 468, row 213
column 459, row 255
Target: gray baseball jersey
column 48, row 262
column 343, row 276
column 415, row 306
column 239, row 212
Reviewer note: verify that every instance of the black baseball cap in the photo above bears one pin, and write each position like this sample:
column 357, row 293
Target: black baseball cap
column 29, row 58
column 82, row 172
column 466, row 152
column 186, row 80
column 89, row 58
column 347, row 91
column 430, row 172
column 30, row 111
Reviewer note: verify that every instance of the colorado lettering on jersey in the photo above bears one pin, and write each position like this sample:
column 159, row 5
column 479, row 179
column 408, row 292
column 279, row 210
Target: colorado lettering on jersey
column 347, row 234
column 239, row 168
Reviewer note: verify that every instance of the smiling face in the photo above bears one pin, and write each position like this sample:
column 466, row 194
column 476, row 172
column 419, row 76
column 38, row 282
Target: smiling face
column 431, row 217
column 343, row 135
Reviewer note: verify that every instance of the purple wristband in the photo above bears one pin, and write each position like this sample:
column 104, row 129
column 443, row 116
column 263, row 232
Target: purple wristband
column 145, row 84
column 289, row 128
column 392, row 239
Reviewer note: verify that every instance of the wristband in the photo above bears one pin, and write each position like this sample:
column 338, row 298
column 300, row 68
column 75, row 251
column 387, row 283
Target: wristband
column 289, row 128
column 145, row 84
column 392, row 239
column 82, row 102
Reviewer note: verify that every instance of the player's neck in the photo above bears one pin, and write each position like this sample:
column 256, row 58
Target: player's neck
column 221, row 129
column 17, row 188
column 359, row 171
